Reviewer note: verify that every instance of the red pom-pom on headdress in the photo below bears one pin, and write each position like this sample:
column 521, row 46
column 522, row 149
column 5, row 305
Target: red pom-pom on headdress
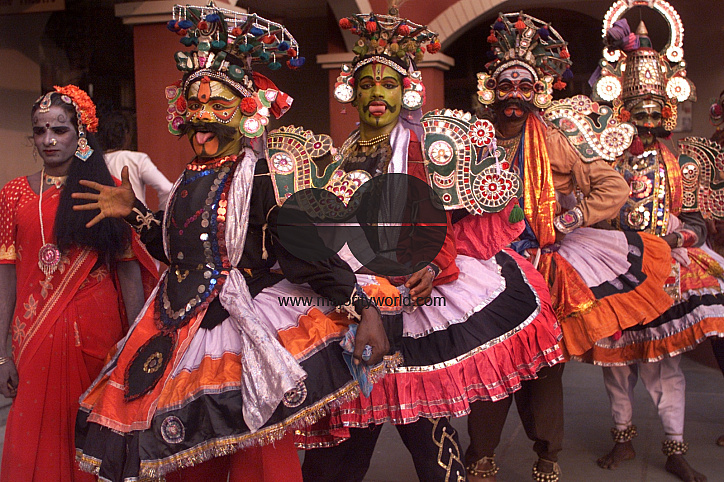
column 83, row 104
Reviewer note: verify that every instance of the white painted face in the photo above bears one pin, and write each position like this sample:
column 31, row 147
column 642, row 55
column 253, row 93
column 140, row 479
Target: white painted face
column 54, row 136
column 515, row 83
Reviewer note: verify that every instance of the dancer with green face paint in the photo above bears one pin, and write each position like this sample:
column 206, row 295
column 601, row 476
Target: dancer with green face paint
column 497, row 327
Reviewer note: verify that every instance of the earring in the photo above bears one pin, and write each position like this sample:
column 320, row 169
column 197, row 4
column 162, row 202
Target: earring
column 486, row 89
column 84, row 151
column 35, row 154
column 344, row 87
column 413, row 92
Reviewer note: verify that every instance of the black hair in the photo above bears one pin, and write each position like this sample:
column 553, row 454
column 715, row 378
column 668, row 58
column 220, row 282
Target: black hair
column 111, row 237
column 113, row 130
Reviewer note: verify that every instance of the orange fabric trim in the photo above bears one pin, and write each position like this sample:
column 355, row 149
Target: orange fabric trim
column 585, row 320
column 651, row 351
column 211, row 373
column 106, row 399
column 674, row 179
column 313, row 329
column 538, row 190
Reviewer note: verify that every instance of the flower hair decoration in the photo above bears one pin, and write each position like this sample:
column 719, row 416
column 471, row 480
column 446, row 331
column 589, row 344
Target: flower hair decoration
column 396, row 42
column 522, row 40
column 85, row 111
column 225, row 45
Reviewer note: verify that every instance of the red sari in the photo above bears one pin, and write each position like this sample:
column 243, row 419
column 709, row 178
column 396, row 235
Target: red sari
column 63, row 327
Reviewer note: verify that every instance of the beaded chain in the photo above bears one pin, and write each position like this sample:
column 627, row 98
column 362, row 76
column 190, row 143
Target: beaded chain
column 373, row 141
column 487, row 473
column 539, row 476
column 671, row 447
column 622, row 436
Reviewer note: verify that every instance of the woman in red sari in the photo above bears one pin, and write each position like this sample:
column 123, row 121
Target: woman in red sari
column 67, row 293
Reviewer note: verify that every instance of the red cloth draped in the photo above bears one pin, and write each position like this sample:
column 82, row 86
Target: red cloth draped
column 63, row 327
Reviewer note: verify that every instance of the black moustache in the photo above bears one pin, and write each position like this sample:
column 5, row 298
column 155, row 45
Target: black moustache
column 658, row 132
column 524, row 106
column 392, row 109
column 222, row 132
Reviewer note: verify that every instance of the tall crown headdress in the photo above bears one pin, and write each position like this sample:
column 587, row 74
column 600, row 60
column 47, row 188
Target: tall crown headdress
column 631, row 69
column 519, row 39
column 388, row 39
column 225, row 46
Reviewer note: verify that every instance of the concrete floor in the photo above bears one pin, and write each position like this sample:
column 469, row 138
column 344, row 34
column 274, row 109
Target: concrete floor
column 587, row 433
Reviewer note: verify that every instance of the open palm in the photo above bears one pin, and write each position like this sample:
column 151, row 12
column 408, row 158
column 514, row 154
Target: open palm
column 111, row 201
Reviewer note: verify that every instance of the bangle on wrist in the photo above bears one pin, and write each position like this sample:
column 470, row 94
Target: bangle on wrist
column 569, row 221
column 679, row 239
column 5, row 359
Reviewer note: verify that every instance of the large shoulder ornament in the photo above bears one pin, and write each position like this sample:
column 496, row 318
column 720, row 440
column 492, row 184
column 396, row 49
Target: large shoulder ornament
column 291, row 152
column 591, row 128
column 702, row 171
column 464, row 165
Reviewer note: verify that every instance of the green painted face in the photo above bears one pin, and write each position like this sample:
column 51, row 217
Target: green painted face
column 211, row 102
column 379, row 98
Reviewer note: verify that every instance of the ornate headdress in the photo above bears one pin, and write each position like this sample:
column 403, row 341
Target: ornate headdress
column 519, row 39
column 225, row 44
column 388, row 39
column 85, row 111
column 631, row 69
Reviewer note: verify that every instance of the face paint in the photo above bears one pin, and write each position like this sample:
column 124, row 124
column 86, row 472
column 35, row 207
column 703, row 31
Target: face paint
column 54, row 136
column 515, row 83
column 211, row 102
column 379, row 97
column 647, row 113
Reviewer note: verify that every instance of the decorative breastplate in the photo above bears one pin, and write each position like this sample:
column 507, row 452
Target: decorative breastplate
column 647, row 208
column 195, row 227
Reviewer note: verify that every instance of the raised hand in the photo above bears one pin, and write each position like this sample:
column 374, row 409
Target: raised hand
column 111, row 201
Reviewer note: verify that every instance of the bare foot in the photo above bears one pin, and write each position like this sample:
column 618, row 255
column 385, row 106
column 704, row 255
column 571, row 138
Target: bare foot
column 483, row 466
column 620, row 452
column 677, row 465
column 720, row 441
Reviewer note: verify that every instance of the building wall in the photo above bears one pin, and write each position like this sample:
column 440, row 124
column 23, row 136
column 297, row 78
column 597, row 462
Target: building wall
column 20, row 87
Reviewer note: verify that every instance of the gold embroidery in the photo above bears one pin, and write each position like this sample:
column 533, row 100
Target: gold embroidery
column 7, row 253
column 153, row 363
column 448, row 454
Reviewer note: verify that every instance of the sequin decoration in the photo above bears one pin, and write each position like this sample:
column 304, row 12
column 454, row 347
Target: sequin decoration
column 440, row 153
column 296, row 396
column 292, row 151
column 172, row 430
column 461, row 168
column 482, row 133
column 153, row 363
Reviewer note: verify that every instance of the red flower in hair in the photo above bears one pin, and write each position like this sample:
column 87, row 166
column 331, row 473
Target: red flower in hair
column 345, row 23
column 666, row 112
column 248, row 106
column 624, row 115
column 83, row 104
